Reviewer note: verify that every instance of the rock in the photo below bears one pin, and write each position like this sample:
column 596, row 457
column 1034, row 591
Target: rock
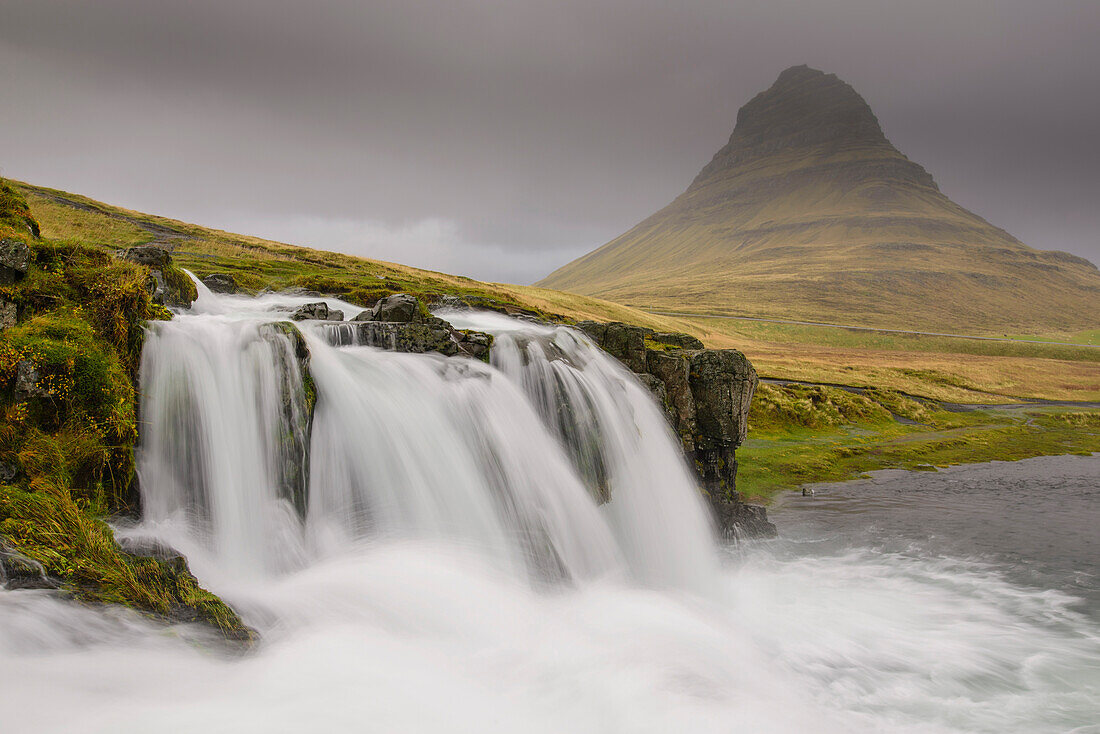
column 408, row 337
column 15, row 258
column 722, row 382
column 150, row 256
column 742, row 520
column 655, row 386
column 673, row 370
column 156, row 286
column 335, row 315
column 152, row 548
column 8, row 472
column 367, row 315
column 26, row 381
column 9, row 314
column 17, row 571
column 627, row 344
column 220, row 283
column 475, row 344
column 311, row 311
column 399, row 307
column 680, row 341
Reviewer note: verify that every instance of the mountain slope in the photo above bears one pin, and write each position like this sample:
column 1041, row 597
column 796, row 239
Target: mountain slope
column 809, row 212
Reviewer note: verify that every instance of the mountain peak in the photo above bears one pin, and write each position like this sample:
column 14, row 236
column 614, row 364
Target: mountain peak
column 805, row 108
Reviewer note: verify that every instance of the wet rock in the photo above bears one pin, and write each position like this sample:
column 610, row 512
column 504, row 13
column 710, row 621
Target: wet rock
column 152, row 548
column 742, row 520
column 220, row 283
column 673, row 370
column 476, row 344
column 15, row 258
column 312, row 311
column 655, row 386
column 408, row 337
column 335, row 314
column 399, row 307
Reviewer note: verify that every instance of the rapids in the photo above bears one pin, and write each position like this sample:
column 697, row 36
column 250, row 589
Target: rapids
column 452, row 565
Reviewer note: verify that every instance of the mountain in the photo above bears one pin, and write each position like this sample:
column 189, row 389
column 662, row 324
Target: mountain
column 809, row 212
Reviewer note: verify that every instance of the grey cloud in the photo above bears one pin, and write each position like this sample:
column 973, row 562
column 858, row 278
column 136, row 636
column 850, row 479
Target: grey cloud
column 536, row 130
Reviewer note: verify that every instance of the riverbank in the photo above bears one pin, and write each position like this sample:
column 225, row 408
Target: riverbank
column 815, row 433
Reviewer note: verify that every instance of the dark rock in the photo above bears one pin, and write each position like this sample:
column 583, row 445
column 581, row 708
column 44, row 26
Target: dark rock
column 298, row 398
column 17, row 571
column 335, row 315
column 26, row 381
column 8, row 472
column 220, row 283
column 673, row 370
column 157, row 287
column 367, row 315
column 723, row 382
column 399, row 307
column 741, row 520
column 627, row 344
column 9, row 314
column 476, row 344
column 312, row 311
column 408, row 337
column 150, row 256
column 15, row 258
column 152, row 548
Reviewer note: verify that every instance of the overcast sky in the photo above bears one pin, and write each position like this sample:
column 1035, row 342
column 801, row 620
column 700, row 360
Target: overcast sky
column 502, row 139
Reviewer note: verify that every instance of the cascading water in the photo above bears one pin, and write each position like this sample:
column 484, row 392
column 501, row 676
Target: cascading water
column 445, row 545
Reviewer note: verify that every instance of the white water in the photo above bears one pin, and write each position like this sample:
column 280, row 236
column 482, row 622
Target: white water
column 454, row 572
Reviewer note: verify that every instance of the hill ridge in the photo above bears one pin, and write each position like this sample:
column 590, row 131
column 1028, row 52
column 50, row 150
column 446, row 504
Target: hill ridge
column 810, row 211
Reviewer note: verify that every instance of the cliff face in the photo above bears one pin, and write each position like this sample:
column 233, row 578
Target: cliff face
column 809, row 212
column 706, row 394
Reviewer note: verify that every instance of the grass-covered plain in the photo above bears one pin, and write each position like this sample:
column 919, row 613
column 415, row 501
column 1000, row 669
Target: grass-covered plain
column 800, row 434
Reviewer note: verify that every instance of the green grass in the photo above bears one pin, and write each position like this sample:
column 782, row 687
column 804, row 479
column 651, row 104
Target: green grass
column 803, row 434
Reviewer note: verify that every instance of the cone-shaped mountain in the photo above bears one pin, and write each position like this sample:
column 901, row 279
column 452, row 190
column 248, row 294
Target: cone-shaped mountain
column 809, row 212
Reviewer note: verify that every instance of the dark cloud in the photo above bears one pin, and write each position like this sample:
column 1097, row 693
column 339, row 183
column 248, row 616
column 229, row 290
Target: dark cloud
column 501, row 139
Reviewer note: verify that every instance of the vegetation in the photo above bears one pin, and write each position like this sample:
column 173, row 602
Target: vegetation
column 800, row 434
column 797, row 434
column 68, row 425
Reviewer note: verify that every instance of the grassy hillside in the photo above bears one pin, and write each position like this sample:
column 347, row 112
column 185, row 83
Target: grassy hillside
column 943, row 368
column 809, row 213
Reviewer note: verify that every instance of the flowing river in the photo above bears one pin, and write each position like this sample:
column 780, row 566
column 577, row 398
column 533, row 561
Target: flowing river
column 446, row 564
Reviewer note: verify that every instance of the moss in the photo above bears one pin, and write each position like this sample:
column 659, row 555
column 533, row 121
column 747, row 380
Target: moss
column 811, row 406
column 182, row 290
column 47, row 524
column 70, row 429
column 15, row 215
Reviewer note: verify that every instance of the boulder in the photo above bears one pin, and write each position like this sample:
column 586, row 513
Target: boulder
column 399, row 308
column 722, row 382
column 15, row 258
column 9, row 314
column 335, row 314
column 312, row 311
column 152, row 548
column 408, row 337
column 220, row 283
column 26, row 381
column 150, row 256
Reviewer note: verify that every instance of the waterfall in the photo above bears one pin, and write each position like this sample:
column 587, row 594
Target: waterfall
column 430, row 543
column 552, row 462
